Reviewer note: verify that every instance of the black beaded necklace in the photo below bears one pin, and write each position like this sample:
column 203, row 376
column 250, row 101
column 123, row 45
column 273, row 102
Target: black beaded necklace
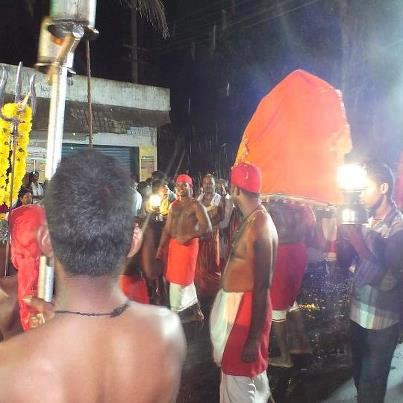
column 112, row 314
column 247, row 220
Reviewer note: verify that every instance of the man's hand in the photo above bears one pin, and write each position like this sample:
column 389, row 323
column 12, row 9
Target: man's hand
column 45, row 310
column 250, row 350
column 159, row 253
column 137, row 240
column 356, row 239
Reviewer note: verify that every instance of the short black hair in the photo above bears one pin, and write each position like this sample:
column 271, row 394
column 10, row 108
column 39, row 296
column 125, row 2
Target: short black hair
column 381, row 173
column 88, row 207
column 23, row 191
column 158, row 175
column 157, row 184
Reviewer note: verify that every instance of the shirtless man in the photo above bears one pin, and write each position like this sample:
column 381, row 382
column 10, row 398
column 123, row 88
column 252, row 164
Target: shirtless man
column 99, row 347
column 187, row 221
column 241, row 316
column 208, row 272
column 296, row 227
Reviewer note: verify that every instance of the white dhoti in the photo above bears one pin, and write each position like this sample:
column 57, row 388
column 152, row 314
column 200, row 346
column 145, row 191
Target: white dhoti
column 233, row 388
column 243, row 389
column 182, row 297
column 222, row 318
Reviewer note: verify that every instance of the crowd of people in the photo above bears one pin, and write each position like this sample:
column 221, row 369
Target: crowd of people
column 215, row 253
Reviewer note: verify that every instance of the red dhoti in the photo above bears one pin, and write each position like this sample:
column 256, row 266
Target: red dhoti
column 180, row 273
column 134, row 288
column 208, row 274
column 229, row 327
column 289, row 270
column 182, row 259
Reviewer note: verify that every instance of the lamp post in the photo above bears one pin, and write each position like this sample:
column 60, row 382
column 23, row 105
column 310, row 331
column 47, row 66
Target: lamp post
column 68, row 23
column 352, row 180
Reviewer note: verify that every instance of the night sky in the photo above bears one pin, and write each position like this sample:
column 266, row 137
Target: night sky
column 355, row 45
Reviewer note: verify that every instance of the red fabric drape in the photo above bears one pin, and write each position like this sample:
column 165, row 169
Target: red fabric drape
column 24, row 223
column 298, row 136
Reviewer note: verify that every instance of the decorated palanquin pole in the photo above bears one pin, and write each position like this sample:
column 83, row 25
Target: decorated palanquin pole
column 299, row 136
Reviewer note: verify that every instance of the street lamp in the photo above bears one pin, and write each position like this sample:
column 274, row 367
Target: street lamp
column 352, row 180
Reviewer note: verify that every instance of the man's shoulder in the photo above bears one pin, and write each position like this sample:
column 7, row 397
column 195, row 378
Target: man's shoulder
column 21, row 360
column 161, row 329
column 157, row 322
column 262, row 221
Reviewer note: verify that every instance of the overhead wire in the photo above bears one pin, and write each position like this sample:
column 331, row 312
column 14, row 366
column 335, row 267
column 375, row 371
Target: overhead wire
column 255, row 14
column 184, row 37
column 201, row 37
column 211, row 13
column 203, row 21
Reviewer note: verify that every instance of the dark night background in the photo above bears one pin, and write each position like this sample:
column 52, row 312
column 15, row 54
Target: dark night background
column 222, row 56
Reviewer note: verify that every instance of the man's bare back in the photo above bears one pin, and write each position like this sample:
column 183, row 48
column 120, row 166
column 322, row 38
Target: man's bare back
column 91, row 359
column 239, row 272
column 97, row 347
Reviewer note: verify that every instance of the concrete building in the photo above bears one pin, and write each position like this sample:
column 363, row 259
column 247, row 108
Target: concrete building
column 126, row 118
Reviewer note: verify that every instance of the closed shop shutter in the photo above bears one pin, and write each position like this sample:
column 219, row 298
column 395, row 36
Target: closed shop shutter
column 127, row 156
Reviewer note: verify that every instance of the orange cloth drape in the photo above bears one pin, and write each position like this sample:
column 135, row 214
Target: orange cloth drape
column 298, row 136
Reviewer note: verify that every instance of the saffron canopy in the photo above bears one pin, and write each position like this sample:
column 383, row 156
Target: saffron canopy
column 298, row 136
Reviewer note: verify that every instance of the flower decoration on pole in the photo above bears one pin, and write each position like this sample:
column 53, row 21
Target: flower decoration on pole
column 15, row 128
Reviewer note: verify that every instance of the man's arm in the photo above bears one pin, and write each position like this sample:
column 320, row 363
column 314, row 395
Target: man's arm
column 370, row 251
column 345, row 252
column 356, row 238
column 393, row 259
column 263, row 252
column 172, row 357
column 203, row 220
column 203, row 227
column 165, row 235
column 219, row 214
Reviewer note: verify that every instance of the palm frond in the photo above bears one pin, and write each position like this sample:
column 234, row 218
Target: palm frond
column 153, row 11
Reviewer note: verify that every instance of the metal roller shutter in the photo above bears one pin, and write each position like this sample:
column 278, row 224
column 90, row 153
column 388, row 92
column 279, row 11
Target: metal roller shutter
column 127, row 156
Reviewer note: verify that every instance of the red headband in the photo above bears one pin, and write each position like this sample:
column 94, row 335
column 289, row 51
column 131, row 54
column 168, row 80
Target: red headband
column 185, row 179
column 247, row 177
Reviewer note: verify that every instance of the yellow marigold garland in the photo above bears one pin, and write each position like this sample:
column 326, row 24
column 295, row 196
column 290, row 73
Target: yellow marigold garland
column 24, row 116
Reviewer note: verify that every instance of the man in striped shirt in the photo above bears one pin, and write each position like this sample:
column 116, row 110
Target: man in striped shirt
column 377, row 251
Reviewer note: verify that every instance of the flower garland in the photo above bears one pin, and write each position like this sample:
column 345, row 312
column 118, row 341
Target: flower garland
column 23, row 114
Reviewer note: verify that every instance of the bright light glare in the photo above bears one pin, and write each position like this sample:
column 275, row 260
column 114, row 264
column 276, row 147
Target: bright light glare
column 155, row 201
column 352, row 177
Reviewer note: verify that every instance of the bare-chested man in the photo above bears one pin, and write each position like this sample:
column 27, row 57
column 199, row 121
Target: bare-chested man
column 208, row 273
column 296, row 229
column 241, row 316
column 99, row 347
column 187, row 222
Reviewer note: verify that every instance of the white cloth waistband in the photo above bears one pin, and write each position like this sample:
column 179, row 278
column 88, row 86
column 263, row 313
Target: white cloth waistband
column 222, row 319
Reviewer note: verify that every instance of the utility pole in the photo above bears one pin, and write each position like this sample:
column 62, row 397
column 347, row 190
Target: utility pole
column 134, row 47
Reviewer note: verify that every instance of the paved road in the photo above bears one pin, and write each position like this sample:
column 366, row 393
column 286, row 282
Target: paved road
column 323, row 377
column 346, row 392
